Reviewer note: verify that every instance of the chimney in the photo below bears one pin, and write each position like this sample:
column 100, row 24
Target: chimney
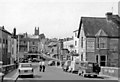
column 109, row 15
column 2, row 27
column 14, row 32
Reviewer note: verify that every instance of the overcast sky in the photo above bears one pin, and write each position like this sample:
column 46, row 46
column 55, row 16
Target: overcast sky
column 55, row 18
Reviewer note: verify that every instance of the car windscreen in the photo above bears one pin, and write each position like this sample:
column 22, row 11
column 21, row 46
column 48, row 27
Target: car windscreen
column 26, row 65
column 90, row 65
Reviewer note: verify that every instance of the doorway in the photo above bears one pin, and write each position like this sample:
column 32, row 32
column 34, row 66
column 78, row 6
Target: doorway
column 103, row 60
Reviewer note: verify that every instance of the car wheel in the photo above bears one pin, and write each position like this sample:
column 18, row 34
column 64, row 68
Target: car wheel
column 84, row 75
column 32, row 76
column 89, row 75
column 95, row 76
column 19, row 76
column 79, row 73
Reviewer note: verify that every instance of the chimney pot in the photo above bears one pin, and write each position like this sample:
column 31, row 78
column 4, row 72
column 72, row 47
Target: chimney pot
column 109, row 15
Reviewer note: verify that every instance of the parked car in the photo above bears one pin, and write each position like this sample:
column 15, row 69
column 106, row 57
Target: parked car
column 89, row 69
column 25, row 69
column 51, row 63
column 66, row 65
column 35, row 60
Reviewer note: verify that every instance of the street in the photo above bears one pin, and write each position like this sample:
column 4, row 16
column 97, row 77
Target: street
column 51, row 73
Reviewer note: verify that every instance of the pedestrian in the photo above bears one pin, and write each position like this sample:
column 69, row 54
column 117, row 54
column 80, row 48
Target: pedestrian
column 43, row 65
column 40, row 65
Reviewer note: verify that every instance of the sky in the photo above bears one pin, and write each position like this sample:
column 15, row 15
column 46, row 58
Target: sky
column 55, row 18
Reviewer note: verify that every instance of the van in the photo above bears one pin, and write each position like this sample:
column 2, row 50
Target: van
column 74, row 67
column 89, row 69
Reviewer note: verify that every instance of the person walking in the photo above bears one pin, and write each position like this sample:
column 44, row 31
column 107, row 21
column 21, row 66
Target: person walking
column 40, row 65
column 43, row 65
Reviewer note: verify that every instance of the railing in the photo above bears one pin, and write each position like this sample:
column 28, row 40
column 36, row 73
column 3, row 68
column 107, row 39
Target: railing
column 8, row 68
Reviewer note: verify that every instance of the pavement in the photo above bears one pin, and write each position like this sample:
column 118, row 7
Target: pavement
column 12, row 75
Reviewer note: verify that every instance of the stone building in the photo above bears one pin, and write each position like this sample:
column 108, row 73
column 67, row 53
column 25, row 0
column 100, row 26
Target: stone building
column 6, row 43
column 98, row 41
column 29, row 45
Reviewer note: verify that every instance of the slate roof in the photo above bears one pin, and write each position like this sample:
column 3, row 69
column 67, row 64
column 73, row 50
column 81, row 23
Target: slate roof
column 92, row 25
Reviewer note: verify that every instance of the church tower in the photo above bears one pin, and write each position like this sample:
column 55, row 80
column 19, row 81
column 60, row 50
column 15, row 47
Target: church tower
column 36, row 31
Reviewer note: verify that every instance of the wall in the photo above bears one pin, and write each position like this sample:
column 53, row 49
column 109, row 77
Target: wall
column 111, row 71
column 82, row 50
column 113, row 52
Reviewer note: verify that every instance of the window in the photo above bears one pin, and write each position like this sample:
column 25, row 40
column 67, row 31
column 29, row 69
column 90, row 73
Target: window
column 6, row 41
column 75, row 43
column 81, row 42
column 3, row 40
column 82, row 57
column 103, row 43
column 24, row 42
column 97, row 58
column 0, row 40
column 75, row 51
column 97, row 42
column 33, row 43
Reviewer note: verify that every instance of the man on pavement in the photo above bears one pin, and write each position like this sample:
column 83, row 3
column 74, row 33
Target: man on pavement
column 40, row 65
column 43, row 65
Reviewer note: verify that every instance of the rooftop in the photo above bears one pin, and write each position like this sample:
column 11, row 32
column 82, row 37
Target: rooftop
column 92, row 26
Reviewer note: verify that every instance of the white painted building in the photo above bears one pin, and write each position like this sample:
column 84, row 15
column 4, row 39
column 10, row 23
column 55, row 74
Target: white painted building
column 75, row 40
column 66, row 45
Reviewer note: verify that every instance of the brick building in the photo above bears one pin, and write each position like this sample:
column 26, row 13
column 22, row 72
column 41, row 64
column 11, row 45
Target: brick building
column 98, row 41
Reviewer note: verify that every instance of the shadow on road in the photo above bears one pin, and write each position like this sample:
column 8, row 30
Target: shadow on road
column 27, row 76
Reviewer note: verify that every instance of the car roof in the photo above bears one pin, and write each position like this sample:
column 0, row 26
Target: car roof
column 87, row 62
column 25, row 63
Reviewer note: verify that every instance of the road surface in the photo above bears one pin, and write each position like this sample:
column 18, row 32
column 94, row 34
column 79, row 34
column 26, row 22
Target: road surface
column 51, row 73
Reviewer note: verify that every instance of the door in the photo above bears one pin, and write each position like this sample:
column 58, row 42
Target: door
column 103, row 60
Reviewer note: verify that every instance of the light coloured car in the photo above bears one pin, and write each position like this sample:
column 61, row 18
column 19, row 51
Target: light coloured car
column 51, row 63
column 26, row 69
